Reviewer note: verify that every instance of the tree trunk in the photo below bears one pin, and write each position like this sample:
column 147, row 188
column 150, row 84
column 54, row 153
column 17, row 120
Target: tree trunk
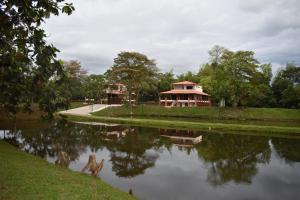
column 222, row 103
column 129, row 98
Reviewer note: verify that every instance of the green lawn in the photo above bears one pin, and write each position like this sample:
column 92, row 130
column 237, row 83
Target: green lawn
column 24, row 176
column 252, row 129
column 77, row 104
column 36, row 114
column 210, row 113
column 275, row 121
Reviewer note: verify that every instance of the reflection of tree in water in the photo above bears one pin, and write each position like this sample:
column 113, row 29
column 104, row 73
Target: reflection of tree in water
column 51, row 141
column 233, row 157
column 65, row 137
column 130, row 164
column 12, row 137
column 62, row 140
column 129, row 155
column 288, row 149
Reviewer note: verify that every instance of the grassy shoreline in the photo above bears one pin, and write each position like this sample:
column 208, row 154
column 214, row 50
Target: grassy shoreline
column 206, row 113
column 24, row 176
column 202, row 126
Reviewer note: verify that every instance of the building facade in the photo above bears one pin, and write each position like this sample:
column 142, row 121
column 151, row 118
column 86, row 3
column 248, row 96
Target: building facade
column 117, row 94
column 185, row 94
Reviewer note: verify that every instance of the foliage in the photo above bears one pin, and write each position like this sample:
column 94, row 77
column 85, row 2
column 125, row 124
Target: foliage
column 237, row 161
column 134, row 70
column 76, row 78
column 94, row 86
column 165, row 81
column 237, row 77
column 286, row 87
column 27, row 63
column 188, row 76
column 161, row 82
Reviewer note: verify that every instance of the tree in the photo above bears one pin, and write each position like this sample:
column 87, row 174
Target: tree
column 240, row 68
column 76, row 77
column 27, row 62
column 286, row 87
column 94, row 86
column 236, row 161
column 237, row 78
column 215, row 54
column 134, row 70
column 261, row 92
column 165, row 81
column 188, row 76
column 212, row 75
column 160, row 83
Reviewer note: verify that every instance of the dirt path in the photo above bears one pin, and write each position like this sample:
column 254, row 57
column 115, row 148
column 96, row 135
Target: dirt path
column 86, row 110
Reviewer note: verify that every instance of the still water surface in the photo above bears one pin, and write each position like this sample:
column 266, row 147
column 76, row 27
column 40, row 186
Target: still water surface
column 170, row 164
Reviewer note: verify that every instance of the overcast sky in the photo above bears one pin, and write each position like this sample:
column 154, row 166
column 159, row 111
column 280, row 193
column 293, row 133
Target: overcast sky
column 176, row 33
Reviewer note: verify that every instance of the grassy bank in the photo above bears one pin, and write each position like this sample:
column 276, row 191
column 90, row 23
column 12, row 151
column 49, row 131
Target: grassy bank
column 209, row 113
column 204, row 126
column 24, row 176
column 36, row 114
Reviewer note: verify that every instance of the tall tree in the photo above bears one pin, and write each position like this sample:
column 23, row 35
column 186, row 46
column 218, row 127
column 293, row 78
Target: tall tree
column 286, row 87
column 240, row 67
column 165, row 81
column 188, row 76
column 237, row 78
column 76, row 76
column 94, row 86
column 212, row 75
column 133, row 70
column 215, row 54
column 27, row 62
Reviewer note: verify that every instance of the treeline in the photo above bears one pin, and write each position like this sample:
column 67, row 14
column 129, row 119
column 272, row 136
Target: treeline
column 232, row 78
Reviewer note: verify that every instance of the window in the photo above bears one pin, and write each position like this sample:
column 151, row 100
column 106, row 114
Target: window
column 189, row 87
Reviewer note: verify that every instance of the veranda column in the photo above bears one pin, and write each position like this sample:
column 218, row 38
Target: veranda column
column 166, row 100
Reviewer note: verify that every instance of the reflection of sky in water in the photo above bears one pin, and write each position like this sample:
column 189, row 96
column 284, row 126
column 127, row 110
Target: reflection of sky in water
column 177, row 174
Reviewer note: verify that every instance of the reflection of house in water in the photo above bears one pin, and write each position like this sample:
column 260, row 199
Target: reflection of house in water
column 182, row 138
column 112, row 131
column 117, row 131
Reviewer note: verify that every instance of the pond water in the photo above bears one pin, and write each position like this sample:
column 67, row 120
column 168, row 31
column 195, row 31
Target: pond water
column 170, row 164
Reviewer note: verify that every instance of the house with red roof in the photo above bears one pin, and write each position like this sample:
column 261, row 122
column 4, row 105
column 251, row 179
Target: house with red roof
column 185, row 94
column 117, row 93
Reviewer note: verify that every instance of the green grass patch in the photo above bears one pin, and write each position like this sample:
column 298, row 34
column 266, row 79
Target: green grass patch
column 204, row 126
column 210, row 113
column 36, row 114
column 24, row 176
column 77, row 104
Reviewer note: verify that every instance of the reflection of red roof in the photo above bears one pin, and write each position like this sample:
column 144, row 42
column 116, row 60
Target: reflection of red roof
column 115, row 92
column 185, row 92
column 117, row 84
column 184, row 83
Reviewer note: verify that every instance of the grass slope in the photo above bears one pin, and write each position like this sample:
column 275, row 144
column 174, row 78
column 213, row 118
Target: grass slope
column 36, row 114
column 264, row 114
column 204, row 126
column 24, row 176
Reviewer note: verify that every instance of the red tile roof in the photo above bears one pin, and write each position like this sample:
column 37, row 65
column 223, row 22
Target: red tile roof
column 185, row 92
column 184, row 83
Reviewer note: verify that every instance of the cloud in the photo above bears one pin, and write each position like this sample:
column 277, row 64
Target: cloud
column 255, row 6
column 176, row 33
